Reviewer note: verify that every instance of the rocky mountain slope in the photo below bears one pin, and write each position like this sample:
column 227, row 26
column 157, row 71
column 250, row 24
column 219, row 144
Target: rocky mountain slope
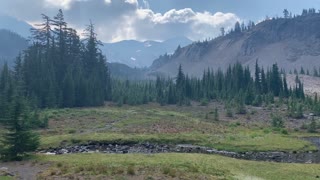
column 291, row 43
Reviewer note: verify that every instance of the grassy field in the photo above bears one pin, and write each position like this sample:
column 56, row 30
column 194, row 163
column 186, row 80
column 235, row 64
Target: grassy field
column 167, row 166
column 170, row 125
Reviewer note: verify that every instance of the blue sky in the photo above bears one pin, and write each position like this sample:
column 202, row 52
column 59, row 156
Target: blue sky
column 118, row 20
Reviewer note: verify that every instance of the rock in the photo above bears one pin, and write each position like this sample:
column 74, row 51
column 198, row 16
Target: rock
column 62, row 151
column 4, row 171
column 309, row 162
column 149, row 148
column 49, row 153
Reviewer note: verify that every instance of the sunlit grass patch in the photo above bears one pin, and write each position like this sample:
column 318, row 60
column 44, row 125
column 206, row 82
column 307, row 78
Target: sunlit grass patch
column 179, row 165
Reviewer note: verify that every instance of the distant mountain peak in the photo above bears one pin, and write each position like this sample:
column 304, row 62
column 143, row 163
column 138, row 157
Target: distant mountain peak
column 144, row 52
column 11, row 44
column 15, row 25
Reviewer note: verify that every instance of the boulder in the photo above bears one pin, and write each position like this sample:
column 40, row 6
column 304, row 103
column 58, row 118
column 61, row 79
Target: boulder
column 4, row 171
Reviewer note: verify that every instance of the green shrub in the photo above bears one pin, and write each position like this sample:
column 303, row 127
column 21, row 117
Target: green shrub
column 216, row 114
column 75, row 141
column 229, row 112
column 312, row 127
column 72, row 131
column 204, row 102
column 277, row 121
column 131, row 170
column 284, row 131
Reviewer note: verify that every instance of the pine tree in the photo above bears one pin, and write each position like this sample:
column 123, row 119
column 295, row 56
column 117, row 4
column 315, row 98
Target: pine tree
column 6, row 90
column 257, row 79
column 180, row 86
column 240, row 107
column 237, row 27
column 277, row 121
column 285, row 87
column 302, row 71
column 264, row 84
column 68, row 90
column 285, row 13
column 315, row 72
column 312, row 127
column 216, row 114
column 19, row 140
column 275, row 80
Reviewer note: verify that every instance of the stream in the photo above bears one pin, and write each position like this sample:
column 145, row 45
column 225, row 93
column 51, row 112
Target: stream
column 149, row 148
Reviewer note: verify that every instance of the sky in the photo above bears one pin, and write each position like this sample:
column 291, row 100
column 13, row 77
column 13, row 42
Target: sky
column 117, row 20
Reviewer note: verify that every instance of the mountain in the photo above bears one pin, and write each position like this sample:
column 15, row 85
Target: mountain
column 11, row 44
column 291, row 43
column 15, row 25
column 141, row 54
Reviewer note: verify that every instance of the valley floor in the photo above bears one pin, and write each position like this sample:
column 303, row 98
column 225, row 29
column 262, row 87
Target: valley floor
column 168, row 125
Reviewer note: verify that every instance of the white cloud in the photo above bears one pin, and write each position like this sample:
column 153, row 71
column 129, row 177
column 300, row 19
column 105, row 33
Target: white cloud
column 183, row 22
column 65, row 4
column 117, row 20
column 132, row 1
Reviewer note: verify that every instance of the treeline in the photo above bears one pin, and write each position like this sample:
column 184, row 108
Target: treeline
column 302, row 71
column 243, row 27
column 18, row 118
column 235, row 83
column 60, row 70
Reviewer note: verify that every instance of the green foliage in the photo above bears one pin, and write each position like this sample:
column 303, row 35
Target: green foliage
column 312, row 127
column 240, row 108
column 257, row 101
column 206, row 116
column 38, row 122
column 59, row 70
column 284, row 131
column 216, row 114
column 295, row 109
column 277, row 121
column 131, row 170
column 19, row 140
column 234, row 84
column 204, row 102
column 229, row 112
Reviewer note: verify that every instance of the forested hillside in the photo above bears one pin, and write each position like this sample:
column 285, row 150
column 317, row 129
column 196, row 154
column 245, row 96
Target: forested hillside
column 11, row 44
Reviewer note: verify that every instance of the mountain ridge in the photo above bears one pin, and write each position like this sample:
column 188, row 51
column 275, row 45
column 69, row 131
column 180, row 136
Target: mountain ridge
column 290, row 42
column 11, row 44
column 141, row 53
column 18, row 26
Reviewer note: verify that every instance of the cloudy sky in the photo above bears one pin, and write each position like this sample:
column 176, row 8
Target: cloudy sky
column 117, row 20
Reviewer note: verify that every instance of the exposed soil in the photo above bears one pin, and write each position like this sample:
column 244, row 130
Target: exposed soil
column 25, row 170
